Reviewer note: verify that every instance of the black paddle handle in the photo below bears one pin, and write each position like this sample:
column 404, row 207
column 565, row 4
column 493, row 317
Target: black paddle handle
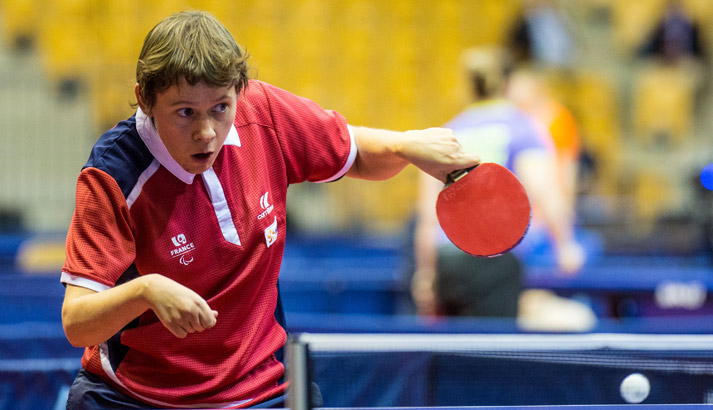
column 458, row 174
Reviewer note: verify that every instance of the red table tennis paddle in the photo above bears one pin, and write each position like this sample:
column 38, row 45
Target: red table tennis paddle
column 484, row 210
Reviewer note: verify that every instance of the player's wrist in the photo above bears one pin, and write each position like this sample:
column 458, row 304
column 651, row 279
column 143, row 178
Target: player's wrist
column 146, row 288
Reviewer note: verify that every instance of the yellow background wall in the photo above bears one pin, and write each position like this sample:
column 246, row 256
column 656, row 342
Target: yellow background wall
column 390, row 64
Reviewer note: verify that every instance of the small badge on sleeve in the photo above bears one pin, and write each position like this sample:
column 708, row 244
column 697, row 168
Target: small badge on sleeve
column 271, row 233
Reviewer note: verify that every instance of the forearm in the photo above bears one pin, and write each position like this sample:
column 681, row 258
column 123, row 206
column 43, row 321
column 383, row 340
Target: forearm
column 570, row 254
column 425, row 247
column 541, row 180
column 425, row 264
column 90, row 317
column 554, row 208
column 378, row 155
column 381, row 154
column 557, row 217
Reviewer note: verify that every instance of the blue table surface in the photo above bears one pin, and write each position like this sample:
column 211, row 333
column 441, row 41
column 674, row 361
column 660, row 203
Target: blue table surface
column 567, row 407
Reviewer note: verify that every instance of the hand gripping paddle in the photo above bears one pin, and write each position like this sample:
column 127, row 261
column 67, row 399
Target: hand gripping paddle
column 484, row 210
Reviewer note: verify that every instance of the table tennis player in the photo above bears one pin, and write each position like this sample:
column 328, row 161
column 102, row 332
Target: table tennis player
column 175, row 246
column 450, row 282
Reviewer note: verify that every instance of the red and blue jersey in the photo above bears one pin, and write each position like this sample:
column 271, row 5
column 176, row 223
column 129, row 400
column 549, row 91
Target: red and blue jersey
column 220, row 233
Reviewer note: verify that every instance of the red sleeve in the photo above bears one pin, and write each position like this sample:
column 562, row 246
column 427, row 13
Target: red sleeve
column 316, row 144
column 100, row 243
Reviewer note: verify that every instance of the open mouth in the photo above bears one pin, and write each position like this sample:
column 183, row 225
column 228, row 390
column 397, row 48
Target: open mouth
column 202, row 156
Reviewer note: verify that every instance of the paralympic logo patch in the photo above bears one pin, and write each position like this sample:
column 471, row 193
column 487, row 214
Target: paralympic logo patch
column 182, row 248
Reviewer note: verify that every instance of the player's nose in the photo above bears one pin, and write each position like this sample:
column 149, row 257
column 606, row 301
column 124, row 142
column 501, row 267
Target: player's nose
column 205, row 131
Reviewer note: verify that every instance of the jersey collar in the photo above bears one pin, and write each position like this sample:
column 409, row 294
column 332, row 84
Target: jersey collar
column 148, row 133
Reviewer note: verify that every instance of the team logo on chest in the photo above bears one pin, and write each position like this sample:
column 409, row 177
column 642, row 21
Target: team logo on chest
column 265, row 205
column 182, row 248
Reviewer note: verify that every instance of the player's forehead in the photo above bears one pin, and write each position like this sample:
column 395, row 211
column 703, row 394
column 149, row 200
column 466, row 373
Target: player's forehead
column 182, row 92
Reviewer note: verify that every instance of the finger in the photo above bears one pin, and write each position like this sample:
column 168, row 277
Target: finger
column 206, row 317
column 172, row 325
column 196, row 325
column 178, row 331
column 186, row 322
column 471, row 158
column 212, row 319
column 208, row 320
column 202, row 319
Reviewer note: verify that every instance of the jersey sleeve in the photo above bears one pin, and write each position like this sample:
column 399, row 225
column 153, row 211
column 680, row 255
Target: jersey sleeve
column 100, row 245
column 317, row 144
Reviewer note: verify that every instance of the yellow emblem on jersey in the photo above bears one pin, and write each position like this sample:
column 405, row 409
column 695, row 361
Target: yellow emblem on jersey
column 271, row 233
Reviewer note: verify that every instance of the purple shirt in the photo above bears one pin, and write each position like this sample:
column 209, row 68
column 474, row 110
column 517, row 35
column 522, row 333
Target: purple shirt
column 497, row 131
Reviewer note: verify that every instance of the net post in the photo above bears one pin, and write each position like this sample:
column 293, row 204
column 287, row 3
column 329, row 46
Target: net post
column 298, row 374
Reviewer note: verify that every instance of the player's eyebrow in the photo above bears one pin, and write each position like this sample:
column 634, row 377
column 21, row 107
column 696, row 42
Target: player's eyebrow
column 181, row 102
column 188, row 102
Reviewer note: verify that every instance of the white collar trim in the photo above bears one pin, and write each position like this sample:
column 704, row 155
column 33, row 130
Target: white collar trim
column 148, row 133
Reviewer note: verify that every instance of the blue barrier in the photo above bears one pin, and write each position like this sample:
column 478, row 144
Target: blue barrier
column 30, row 340
column 10, row 244
column 37, row 366
column 30, row 298
column 377, row 284
column 32, row 384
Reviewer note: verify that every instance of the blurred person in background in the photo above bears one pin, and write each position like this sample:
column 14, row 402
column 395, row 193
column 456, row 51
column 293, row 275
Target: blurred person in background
column 176, row 242
column 675, row 37
column 675, row 46
column 542, row 35
column 449, row 282
column 529, row 91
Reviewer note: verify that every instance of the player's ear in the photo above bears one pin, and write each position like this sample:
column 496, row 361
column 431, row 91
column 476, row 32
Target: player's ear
column 140, row 101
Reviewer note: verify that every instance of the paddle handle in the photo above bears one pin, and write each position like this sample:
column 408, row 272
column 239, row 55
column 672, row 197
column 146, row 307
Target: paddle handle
column 458, row 174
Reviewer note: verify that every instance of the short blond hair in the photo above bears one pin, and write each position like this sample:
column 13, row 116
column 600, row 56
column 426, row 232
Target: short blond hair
column 190, row 45
column 487, row 69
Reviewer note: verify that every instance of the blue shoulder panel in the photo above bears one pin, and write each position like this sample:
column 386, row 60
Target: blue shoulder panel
column 121, row 153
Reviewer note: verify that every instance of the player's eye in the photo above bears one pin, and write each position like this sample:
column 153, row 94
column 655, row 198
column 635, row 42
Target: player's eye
column 222, row 107
column 185, row 112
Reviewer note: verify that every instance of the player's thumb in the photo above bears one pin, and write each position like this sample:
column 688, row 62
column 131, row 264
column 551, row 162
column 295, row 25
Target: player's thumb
column 470, row 159
column 464, row 161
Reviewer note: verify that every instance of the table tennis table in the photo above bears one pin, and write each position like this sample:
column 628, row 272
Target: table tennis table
column 567, row 407
column 529, row 371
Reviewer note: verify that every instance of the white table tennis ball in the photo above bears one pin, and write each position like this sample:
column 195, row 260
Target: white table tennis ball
column 635, row 388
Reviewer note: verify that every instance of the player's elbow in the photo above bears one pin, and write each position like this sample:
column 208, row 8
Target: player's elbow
column 73, row 330
column 372, row 169
column 70, row 331
column 75, row 340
